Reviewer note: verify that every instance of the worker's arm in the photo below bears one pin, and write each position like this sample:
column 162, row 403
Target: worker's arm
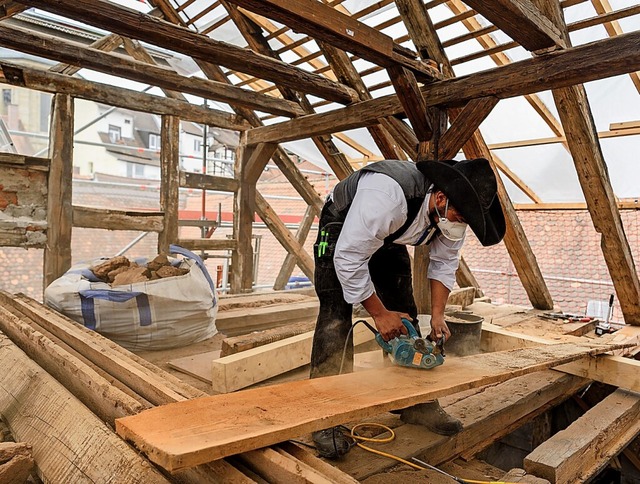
column 389, row 323
column 439, row 296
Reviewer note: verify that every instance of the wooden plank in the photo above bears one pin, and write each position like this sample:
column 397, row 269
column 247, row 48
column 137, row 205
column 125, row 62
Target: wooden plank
column 327, row 24
column 17, row 159
column 115, row 96
column 277, row 467
column 284, row 236
column 200, row 430
column 56, row 48
column 169, row 182
column 208, row 182
column 487, row 416
column 70, row 443
column 589, row 62
column 198, row 366
column 98, row 218
column 522, row 21
column 236, row 344
column 130, row 23
column 57, row 253
column 290, row 260
column 584, row 448
column 612, row 370
column 336, row 476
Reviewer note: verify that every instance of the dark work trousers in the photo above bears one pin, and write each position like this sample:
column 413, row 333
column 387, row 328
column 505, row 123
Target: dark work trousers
column 390, row 269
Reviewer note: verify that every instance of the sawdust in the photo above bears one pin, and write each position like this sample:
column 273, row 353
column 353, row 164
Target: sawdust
column 409, row 477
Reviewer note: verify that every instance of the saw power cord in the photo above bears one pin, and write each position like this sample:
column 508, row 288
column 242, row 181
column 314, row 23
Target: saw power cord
column 346, row 341
column 392, row 435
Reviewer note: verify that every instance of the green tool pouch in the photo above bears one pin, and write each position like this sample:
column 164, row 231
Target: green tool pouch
column 325, row 245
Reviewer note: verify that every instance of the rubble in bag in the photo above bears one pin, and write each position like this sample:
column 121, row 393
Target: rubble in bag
column 120, row 271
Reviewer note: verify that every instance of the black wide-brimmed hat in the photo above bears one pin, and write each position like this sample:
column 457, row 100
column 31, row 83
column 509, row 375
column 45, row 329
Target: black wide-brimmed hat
column 472, row 189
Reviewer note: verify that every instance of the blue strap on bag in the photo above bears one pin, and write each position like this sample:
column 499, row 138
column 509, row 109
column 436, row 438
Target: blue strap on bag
column 87, row 297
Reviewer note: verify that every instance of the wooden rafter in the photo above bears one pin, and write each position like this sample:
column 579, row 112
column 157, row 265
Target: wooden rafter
column 598, row 60
column 120, row 20
column 74, row 53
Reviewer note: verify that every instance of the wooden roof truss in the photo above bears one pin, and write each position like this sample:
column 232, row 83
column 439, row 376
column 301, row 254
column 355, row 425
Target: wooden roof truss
column 281, row 86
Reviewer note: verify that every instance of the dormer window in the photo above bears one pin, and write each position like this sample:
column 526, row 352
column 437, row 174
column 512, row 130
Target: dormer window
column 154, row 142
column 115, row 133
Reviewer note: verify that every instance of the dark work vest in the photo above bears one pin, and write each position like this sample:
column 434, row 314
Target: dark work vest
column 415, row 187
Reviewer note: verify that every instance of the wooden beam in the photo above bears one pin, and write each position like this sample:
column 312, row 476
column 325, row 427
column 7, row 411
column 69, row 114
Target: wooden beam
column 333, row 27
column 208, row 182
column 598, row 60
column 57, row 253
column 123, row 21
column 515, row 239
column 290, row 260
column 408, row 92
column 108, row 43
column 74, row 53
column 319, row 403
column 237, row 344
column 522, row 21
column 114, row 96
column 105, row 400
column 585, row 447
column 39, row 410
column 148, row 381
column 98, row 218
column 284, row 236
column 464, row 125
column 169, row 182
column 10, row 8
column 208, row 244
column 611, row 370
column 621, row 204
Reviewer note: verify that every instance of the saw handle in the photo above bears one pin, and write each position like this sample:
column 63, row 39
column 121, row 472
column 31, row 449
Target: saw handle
column 411, row 329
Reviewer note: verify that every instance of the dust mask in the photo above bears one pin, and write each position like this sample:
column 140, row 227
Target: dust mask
column 453, row 231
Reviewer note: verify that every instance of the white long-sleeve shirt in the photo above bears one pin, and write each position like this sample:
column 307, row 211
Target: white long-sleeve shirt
column 378, row 209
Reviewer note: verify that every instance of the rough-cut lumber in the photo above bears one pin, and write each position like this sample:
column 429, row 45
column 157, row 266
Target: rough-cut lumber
column 522, row 21
column 105, row 400
column 198, row 366
column 236, row 344
column 408, row 92
column 612, row 370
column 589, row 62
column 327, row 24
column 208, row 182
column 70, row 444
column 148, row 381
column 243, row 369
column 114, row 96
column 74, row 53
column 335, row 475
column 244, row 320
column 123, row 21
column 461, row 297
column 208, row 244
column 204, row 429
column 57, row 253
column 487, row 416
column 577, row 453
column 98, row 218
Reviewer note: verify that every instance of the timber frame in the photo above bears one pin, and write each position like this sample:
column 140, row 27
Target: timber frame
column 276, row 99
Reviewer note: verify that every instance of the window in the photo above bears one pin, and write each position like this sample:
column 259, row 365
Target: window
column 6, row 96
column 115, row 133
column 135, row 170
column 154, row 141
column 197, row 145
column 127, row 121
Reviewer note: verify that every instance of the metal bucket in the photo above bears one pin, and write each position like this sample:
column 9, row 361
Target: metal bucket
column 466, row 330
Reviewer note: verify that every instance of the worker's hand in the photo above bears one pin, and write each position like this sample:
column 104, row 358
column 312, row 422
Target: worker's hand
column 439, row 328
column 389, row 324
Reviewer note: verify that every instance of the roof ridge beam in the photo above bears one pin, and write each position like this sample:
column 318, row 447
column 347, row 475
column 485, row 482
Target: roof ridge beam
column 140, row 26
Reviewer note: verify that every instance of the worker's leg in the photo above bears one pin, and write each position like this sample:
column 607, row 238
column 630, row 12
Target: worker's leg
column 332, row 327
column 334, row 317
column 390, row 269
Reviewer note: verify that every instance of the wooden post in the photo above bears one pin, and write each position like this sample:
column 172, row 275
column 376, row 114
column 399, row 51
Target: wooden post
column 57, row 253
column 250, row 162
column 169, row 182
column 290, row 260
